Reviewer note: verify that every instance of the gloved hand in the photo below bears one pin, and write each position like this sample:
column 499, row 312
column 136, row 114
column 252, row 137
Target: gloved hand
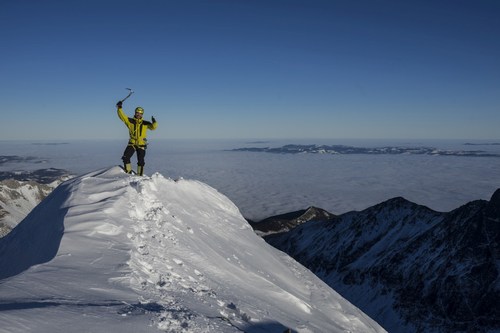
column 153, row 120
column 119, row 104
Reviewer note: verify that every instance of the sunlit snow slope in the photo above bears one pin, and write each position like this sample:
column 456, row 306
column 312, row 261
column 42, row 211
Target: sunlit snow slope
column 109, row 252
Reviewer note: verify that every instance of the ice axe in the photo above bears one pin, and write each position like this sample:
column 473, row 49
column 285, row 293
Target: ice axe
column 130, row 92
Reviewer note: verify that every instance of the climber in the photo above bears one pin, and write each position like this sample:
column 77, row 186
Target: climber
column 137, row 142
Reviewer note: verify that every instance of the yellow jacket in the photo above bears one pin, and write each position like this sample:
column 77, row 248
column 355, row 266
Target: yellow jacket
column 137, row 129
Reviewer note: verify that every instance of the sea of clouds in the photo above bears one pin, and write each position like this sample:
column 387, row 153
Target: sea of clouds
column 263, row 184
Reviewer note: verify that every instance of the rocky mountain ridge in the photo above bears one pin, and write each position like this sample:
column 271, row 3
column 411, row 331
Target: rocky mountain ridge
column 288, row 221
column 22, row 191
column 385, row 150
column 438, row 270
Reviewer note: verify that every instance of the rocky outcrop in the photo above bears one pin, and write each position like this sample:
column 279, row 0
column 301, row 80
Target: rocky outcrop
column 288, row 221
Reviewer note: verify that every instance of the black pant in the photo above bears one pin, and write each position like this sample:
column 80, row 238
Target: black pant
column 129, row 151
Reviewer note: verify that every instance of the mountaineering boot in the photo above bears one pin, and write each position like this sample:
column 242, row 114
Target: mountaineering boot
column 128, row 168
column 140, row 170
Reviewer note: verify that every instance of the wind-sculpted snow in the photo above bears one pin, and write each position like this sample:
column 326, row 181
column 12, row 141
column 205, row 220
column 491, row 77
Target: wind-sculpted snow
column 153, row 254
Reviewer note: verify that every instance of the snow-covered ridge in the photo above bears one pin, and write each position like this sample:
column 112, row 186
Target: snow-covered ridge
column 108, row 250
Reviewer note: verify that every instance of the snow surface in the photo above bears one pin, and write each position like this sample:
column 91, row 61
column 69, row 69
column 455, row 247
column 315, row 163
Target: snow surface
column 109, row 252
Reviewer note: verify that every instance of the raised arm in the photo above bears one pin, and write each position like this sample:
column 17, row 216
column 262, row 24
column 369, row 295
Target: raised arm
column 121, row 115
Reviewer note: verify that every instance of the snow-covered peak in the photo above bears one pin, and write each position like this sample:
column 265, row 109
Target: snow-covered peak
column 107, row 249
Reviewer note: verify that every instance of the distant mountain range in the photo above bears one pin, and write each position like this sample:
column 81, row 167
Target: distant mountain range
column 21, row 191
column 410, row 268
column 4, row 159
column 390, row 150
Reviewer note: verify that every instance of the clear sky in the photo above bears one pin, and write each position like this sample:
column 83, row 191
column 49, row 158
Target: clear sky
column 251, row 68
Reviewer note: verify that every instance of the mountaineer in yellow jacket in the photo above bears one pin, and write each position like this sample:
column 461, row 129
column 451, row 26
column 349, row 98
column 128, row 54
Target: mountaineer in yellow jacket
column 137, row 142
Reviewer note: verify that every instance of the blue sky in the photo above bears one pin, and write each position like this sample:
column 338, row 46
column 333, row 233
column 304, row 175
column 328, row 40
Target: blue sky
column 252, row 68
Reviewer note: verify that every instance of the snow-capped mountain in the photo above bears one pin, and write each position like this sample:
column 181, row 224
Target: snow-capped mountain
column 410, row 268
column 20, row 192
column 109, row 252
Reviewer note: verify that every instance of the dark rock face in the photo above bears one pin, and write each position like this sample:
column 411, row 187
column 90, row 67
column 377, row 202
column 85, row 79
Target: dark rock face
column 410, row 268
column 288, row 221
